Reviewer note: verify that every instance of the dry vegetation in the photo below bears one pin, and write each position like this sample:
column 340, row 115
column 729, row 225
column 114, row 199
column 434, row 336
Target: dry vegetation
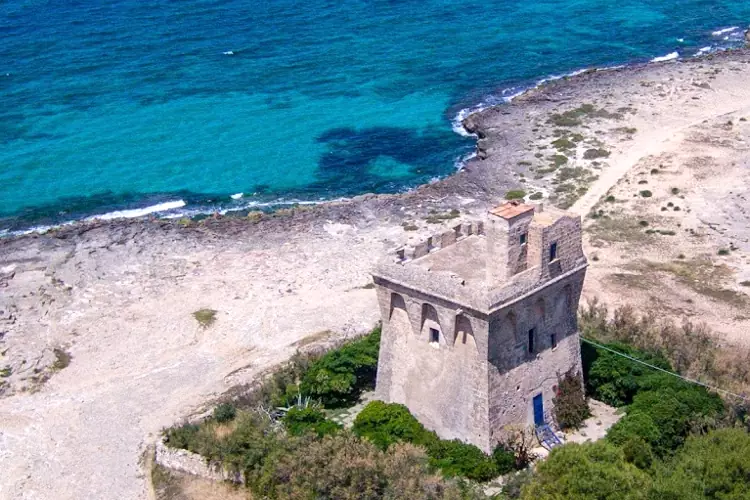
column 692, row 348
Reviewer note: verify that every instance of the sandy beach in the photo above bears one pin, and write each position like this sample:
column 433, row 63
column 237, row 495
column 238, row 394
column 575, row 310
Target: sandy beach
column 655, row 158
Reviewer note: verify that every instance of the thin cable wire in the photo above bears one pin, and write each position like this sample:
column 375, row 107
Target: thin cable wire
column 692, row 381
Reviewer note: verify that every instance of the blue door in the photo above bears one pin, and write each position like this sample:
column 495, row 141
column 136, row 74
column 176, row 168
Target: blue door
column 538, row 410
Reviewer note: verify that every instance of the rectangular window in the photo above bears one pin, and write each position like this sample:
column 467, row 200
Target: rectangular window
column 553, row 340
column 552, row 252
column 434, row 336
column 523, row 238
column 532, row 334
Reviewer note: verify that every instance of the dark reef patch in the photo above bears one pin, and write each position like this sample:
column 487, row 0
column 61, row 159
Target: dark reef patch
column 347, row 166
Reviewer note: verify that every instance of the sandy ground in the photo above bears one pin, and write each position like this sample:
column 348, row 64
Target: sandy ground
column 657, row 161
column 118, row 297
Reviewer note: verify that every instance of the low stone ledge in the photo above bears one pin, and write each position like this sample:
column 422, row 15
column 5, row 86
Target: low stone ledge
column 193, row 464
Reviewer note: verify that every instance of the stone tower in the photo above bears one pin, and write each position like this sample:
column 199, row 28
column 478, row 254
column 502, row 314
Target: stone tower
column 480, row 321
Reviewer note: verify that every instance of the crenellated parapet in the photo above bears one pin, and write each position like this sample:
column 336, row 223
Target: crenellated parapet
column 438, row 241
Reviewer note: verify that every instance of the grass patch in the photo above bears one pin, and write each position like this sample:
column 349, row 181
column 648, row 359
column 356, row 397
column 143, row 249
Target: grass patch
column 701, row 276
column 166, row 485
column 6, row 372
column 62, row 359
column 625, row 229
column 515, row 194
column 536, row 196
column 205, row 317
column 563, row 144
column 437, row 218
column 595, row 153
column 559, row 160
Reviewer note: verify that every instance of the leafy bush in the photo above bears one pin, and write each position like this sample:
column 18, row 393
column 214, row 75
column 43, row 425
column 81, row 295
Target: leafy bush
column 205, row 317
column 299, row 421
column 571, row 408
column 384, row 424
column 344, row 467
column 455, row 458
column 341, row 375
column 515, row 194
column 613, row 379
column 638, row 452
column 505, row 459
column 182, row 436
column 713, row 466
column 595, row 153
column 225, row 412
column 590, row 471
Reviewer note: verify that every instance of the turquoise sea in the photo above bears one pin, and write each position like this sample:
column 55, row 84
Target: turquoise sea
column 124, row 104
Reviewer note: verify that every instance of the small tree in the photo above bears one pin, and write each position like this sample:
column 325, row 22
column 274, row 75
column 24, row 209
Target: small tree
column 571, row 408
column 520, row 441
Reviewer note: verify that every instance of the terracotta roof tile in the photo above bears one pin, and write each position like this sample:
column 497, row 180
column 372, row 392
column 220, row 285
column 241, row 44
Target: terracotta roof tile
column 511, row 209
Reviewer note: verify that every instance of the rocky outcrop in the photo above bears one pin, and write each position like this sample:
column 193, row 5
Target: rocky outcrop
column 747, row 36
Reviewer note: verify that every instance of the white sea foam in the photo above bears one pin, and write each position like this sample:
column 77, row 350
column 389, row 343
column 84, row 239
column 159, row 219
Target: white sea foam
column 681, row 40
column 139, row 212
column 237, row 196
column 669, row 57
column 724, row 31
column 705, row 50
column 228, row 53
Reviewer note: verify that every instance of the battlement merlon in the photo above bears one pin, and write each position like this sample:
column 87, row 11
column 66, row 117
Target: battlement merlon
column 483, row 265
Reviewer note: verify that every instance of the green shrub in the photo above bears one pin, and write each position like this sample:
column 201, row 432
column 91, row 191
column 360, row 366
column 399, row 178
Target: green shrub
column 183, row 436
column 504, row 459
column 634, row 425
column 591, row 471
column 225, row 412
column 384, row 424
column 342, row 466
column 638, row 452
column 340, row 376
column 571, row 408
column 713, row 466
column 646, row 193
column 595, row 153
column 205, row 317
column 515, row 194
column 614, row 379
column 455, row 458
column 563, row 143
column 298, row 421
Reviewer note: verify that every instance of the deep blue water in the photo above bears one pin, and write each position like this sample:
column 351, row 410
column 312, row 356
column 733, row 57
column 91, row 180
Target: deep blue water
column 123, row 104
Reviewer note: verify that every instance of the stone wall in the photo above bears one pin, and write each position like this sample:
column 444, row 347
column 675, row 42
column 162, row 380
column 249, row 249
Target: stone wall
column 443, row 384
column 191, row 463
column 517, row 375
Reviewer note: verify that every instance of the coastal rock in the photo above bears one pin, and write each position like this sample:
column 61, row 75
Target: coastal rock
column 472, row 127
column 747, row 36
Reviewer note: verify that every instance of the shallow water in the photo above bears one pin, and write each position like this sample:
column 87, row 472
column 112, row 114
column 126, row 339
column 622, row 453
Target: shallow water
column 120, row 105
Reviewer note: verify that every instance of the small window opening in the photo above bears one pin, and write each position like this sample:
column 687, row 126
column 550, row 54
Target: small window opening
column 532, row 334
column 553, row 340
column 523, row 238
column 552, row 252
column 434, row 336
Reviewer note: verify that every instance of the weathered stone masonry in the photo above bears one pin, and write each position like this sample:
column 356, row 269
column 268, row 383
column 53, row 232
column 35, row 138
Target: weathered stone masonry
column 479, row 320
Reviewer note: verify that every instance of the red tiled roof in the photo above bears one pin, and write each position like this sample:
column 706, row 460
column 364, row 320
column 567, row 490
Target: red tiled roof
column 511, row 209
